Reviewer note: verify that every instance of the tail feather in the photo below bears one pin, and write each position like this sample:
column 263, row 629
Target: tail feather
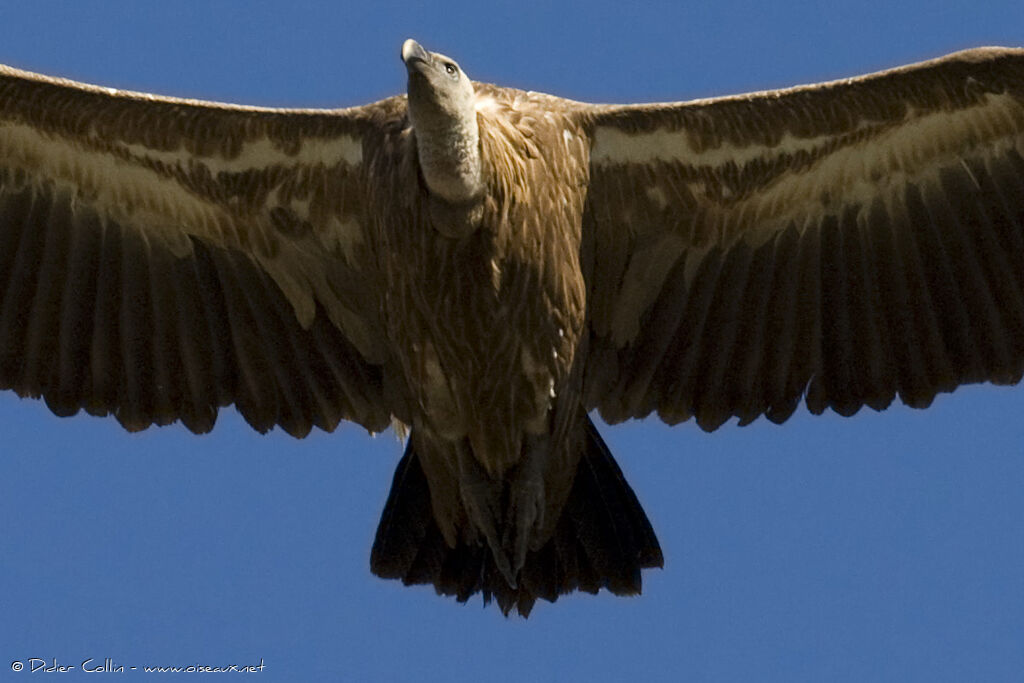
column 602, row 540
column 405, row 523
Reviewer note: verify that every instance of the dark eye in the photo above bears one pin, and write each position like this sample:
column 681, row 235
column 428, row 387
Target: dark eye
column 450, row 68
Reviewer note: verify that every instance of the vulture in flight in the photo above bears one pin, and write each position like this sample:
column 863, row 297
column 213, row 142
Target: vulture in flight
column 486, row 266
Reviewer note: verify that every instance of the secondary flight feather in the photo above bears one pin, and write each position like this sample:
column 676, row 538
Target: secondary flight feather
column 487, row 266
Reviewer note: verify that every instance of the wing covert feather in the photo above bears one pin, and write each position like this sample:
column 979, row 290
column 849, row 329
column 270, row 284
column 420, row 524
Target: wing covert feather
column 845, row 243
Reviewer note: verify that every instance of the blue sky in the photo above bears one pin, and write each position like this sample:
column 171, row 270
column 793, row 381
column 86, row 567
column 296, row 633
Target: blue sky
column 885, row 547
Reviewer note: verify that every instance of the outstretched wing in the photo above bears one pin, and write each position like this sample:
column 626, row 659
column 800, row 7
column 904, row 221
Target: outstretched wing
column 160, row 258
column 849, row 242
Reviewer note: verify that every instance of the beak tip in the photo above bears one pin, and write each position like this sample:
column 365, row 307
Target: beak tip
column 413, row 51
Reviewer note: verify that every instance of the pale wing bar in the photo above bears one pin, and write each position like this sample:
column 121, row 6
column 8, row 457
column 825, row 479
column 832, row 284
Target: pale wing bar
column 148, row 258
column 848, row 243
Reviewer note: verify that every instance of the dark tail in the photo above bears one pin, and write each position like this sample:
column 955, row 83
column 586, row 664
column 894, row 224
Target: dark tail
column 602, row 540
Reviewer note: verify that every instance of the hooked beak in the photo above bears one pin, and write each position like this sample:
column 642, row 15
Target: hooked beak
column 413, row 52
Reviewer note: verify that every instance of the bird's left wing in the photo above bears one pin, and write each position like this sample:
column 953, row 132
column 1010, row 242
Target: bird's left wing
column 847, row 242
column 161, row 258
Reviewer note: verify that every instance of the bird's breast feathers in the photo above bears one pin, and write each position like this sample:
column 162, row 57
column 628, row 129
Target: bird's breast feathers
column 465, row 316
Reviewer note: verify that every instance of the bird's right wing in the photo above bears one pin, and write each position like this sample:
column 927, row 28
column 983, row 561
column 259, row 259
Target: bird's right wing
column 161, row 258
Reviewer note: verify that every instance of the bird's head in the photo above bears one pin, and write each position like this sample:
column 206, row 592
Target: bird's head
column 439, row 91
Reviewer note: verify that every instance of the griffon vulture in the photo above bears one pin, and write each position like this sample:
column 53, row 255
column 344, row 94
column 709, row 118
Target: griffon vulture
column 487, row 266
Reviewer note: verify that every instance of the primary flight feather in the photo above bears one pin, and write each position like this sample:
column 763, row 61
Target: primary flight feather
column 487, row 266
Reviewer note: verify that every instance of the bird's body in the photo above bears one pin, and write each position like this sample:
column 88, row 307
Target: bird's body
column 495, row 403
column 487, row 266
column 474, row 354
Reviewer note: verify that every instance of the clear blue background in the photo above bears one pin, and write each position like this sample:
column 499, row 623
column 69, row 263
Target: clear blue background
column 886, row 547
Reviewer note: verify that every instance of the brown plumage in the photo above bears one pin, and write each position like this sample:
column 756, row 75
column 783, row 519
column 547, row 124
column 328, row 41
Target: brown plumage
column 487, row 265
